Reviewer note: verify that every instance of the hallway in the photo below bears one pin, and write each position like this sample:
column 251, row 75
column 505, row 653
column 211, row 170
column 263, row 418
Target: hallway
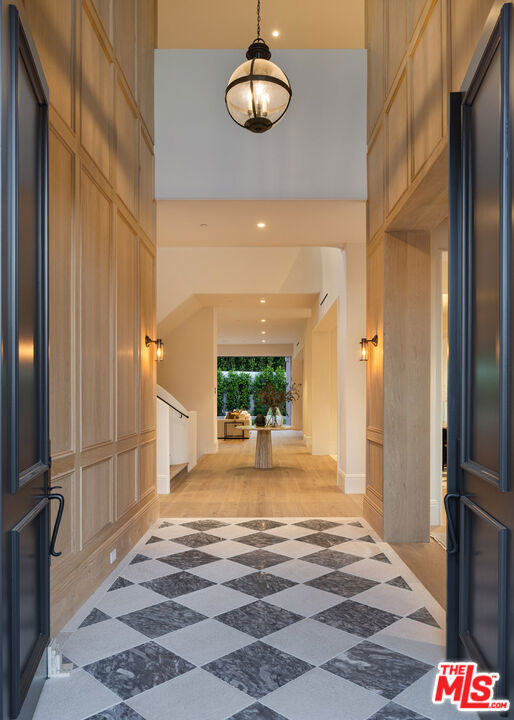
column 287, row 618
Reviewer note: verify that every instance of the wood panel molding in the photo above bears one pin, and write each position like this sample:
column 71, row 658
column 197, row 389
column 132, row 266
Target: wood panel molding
column 98, row 60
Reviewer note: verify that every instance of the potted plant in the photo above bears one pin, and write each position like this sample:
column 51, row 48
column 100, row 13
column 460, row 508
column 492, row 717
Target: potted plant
column 274, row 398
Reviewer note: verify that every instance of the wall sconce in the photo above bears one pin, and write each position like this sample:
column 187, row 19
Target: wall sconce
column 364, row 346
column 159, row 355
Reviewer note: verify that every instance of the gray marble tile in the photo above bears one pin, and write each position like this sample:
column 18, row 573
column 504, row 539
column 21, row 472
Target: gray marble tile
column 171, row 586
column 133, row 671
column 117, row 712
column 95, row 616
column 259, row 618
column 120, row 582
column 199, row 539
column 260, row 539
column 331, row 558
column 257, row 712
column 341, row 583
column 356, row 524
column 377, row 668
column 139, row 558
column 261, row 524
column 154, row 539
column 323, row 539
column 366, row 538
column 188, row 559
column 66, row 661
column 260, row 584
column 202, row 525
column 356, row 618
column 162, row 618
column 257, row 669
column 260, row 559
column 392, row 711
column 317, row 524
column 381, row 557
column 424, row 616
column 165, row 524
column 399, row 582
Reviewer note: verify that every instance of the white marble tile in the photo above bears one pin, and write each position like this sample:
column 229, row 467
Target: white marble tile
column 298, row 570
column 125, row 600
column 162, row 549
column 171, row 532
column 193, row 696
column 312, row 641
column 227, row 548
column 304, row 600
column 232, row 531
column 100, row 640
column 418, row 640
column 75, row 697
column 418, row 697
column 215, row 600
column 221, row 571
column 356, row 547
column 291, row 532
column 205, row 641
column 147, row 570
column 374, row 570
column 349, row 531
column 323, row 696
column 392, row 599
column 294, row 548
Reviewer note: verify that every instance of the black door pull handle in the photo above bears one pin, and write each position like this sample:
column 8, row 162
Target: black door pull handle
column 60, row 499
column 453, row 545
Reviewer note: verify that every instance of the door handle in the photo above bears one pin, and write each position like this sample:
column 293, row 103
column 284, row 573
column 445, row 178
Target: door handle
column 453, row 545
column 57, row 524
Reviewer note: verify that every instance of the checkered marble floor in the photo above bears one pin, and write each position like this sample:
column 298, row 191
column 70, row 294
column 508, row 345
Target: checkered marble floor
column 242, row 619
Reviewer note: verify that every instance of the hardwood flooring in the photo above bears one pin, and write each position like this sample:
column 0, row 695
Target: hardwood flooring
column 299, row 485
column 228, row 485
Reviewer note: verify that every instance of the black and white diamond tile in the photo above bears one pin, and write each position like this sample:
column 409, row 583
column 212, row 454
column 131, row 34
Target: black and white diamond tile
column 253, row 619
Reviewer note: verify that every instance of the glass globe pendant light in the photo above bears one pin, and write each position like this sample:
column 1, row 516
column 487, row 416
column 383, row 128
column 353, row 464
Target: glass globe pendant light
column 258, row 92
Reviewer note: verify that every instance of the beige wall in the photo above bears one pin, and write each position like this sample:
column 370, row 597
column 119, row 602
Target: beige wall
column 298, row 378
column 324, row 384
column 418, row 51
column 189, row 372
column 102, row 289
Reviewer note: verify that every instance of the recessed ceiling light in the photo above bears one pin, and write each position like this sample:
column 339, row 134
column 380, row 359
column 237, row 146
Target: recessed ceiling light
column 262, row 300
column 275, row 33
column 261, row 225
column 263, row 332
column 203, row 225
column 263, row 340
column 263, row 320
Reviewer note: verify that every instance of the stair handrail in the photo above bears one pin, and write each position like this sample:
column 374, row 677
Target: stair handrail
column 182, row 414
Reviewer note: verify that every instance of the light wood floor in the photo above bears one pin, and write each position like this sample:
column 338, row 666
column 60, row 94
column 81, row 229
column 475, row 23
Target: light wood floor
column 299, row 485
column 228, row 485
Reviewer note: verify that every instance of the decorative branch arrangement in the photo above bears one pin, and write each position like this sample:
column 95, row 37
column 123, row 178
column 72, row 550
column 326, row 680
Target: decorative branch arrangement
column 274, row 397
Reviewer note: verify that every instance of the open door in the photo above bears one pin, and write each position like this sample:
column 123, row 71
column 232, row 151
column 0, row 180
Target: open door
column 26, row 495
column 480, row 500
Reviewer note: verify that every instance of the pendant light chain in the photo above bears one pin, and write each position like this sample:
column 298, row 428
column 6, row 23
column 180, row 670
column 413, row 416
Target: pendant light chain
column 258, row 19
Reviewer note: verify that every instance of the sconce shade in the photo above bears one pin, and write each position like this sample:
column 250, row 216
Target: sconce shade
column 159, row 345
column 364, row 347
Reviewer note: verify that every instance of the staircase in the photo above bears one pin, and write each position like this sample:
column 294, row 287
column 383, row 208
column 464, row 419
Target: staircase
column 178, row 473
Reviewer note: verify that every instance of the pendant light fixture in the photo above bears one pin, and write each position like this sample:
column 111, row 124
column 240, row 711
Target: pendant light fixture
column 258, row 92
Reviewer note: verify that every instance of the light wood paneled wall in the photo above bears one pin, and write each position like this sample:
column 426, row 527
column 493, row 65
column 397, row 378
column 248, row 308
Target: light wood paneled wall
column 98, row 60
column 418, row 50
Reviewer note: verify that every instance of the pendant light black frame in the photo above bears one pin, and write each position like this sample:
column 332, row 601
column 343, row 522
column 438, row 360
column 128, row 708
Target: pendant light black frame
column 258, row 50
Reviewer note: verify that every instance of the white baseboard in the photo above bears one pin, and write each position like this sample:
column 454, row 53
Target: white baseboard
column 436, row 515
column 352, row 484
column 163, row 484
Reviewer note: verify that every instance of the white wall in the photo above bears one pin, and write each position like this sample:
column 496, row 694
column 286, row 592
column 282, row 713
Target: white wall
column 318, row 150
column 182, row 272
column 189, row 372
column 344, row 283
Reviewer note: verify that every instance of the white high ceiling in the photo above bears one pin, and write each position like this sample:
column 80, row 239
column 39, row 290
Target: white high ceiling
column 318, row 150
